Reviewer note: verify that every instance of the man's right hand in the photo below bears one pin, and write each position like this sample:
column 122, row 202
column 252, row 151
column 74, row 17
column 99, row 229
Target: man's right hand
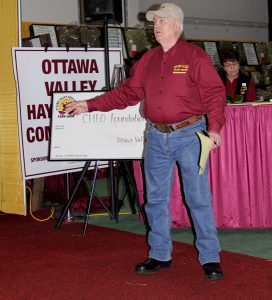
column 76, row 108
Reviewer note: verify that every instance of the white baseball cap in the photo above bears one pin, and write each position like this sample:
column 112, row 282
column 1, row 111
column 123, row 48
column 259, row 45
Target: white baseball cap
column 166, row 10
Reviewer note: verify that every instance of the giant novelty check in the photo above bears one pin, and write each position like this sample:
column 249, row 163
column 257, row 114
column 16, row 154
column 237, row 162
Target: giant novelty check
column 118, row 134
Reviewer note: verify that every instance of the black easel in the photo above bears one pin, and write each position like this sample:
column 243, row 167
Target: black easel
column 87, row 163
column 114, row 204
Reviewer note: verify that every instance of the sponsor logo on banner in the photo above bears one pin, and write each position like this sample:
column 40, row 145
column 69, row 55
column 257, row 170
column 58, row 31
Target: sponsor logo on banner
column 60, row 106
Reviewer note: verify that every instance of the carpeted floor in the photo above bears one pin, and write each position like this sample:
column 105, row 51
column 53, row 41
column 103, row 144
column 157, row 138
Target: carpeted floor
column 40, row 262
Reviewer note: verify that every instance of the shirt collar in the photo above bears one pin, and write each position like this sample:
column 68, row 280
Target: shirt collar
column 172, row 51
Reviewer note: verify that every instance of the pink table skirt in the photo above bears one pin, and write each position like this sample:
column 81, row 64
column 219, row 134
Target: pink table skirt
column 240, row 172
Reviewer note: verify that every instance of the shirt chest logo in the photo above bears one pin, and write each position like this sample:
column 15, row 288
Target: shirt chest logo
column 180, row 69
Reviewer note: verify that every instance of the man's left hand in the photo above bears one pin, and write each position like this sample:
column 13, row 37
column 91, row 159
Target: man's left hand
column 215, row 139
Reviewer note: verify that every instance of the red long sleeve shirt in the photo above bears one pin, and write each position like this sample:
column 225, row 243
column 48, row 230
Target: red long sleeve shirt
column 231, row 89
column 173, row 85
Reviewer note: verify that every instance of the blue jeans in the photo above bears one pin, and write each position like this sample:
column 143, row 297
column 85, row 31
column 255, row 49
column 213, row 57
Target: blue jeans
column 162, row 152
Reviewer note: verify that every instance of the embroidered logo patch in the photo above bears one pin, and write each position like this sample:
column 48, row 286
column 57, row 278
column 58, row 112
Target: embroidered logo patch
column 180, row 69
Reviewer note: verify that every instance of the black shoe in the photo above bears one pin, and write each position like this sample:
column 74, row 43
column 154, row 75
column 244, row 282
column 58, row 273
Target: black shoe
column 213, row 271
column 151, row 265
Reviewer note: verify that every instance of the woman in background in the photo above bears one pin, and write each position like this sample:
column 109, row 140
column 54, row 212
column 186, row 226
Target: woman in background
column 239, row 86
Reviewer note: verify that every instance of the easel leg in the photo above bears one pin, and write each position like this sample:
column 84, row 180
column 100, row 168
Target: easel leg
column 91, row 197
column 128, row 187
column 65, row 209
column 114, row 197
column 69, row 217
column 128, row 173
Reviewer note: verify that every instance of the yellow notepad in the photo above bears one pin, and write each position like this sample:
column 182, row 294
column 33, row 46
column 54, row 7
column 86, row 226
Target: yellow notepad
column 205, row 150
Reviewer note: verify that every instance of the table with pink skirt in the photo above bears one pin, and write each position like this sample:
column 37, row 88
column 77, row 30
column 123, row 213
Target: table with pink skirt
column 240, row 172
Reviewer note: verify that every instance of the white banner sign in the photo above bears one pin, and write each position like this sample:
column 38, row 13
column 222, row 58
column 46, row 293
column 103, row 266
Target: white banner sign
column 118, row 134
column 39, row 74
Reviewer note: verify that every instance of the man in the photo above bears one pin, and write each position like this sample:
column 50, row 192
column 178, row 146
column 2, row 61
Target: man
column 178, row 85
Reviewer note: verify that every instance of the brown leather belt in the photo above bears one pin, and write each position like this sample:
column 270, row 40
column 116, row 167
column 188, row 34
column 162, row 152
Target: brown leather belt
column 168, row 128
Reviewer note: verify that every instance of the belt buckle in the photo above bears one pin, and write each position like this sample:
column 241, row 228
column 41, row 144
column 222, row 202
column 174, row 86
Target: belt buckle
column 164, row 128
